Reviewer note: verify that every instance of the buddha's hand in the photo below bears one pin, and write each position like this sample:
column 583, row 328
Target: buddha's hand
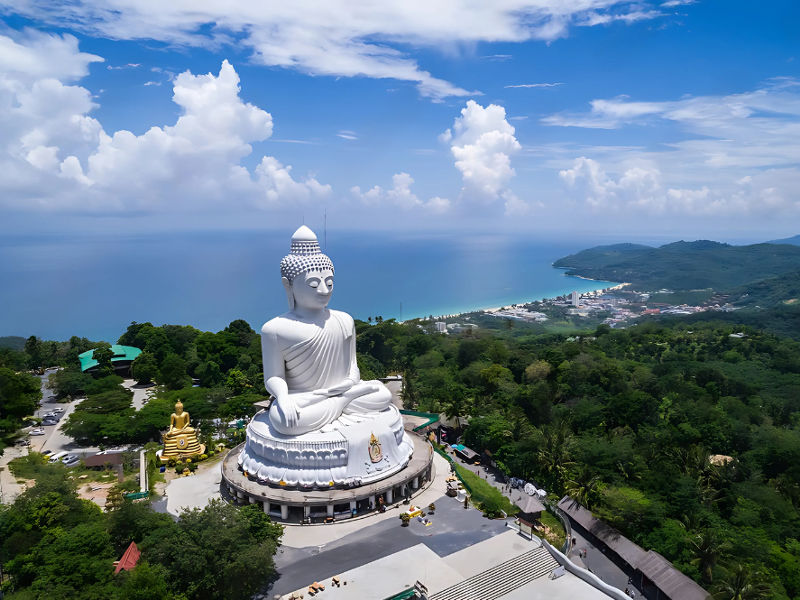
column 289, row 409
column 338, row 389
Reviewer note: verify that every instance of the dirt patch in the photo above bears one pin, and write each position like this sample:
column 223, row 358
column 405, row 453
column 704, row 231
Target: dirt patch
column 96, row 492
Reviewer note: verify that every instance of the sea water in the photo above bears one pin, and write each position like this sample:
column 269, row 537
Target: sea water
column 94, row 286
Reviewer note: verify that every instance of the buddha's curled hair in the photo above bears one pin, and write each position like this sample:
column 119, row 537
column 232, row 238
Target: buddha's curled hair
column 304, row 256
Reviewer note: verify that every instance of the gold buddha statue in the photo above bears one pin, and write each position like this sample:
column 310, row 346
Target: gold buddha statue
column 181, row 439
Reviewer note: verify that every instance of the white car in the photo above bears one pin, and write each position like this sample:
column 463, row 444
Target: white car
column 70, row 460
column 37, row 431
column 58, row 410
column 50, row 415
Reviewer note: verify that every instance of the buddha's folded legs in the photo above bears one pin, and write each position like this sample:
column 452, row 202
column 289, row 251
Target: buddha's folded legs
column 367, row 396
column 364, row 397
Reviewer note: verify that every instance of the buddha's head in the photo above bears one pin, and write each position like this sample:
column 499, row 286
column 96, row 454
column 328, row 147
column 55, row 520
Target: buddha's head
column 307, row 273
column 178, row 407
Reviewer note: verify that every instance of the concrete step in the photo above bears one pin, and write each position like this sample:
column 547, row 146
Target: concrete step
column 501, row 579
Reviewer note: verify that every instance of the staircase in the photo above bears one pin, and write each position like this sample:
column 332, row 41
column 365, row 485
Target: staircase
column 501, row 579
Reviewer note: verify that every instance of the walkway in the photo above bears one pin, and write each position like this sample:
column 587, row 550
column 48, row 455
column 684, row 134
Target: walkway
column 595, row 560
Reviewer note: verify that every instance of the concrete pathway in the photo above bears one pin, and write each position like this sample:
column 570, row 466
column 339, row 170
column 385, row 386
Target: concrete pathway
column 141, row 393
column 195, row 491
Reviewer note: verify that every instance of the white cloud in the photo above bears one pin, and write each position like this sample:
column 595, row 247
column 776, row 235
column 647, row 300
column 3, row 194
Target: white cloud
column 400, row 195
column 727, row 141
column 482, row 142
column 125, row 66
column 339, row 37
column 346, row 134
column 641, row 188
column 34, row 56
column 535, row 85
column 55, row 155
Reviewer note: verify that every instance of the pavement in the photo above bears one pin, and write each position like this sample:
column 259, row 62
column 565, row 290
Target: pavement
column 195, row 491
column 453, row 528
column 141, row 393
column 54, row 438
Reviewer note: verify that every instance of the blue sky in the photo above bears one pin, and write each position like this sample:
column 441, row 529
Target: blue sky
column 666, row 118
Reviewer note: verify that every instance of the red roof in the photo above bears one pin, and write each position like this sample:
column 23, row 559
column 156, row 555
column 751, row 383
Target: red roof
column 129, row 559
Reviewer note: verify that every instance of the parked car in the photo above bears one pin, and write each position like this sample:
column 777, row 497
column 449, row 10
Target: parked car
column 22, row 442
column 70, row 460
column 46, row 453
column 50, row 415
column 48, row 422
column 37, row 431
column 58, row 410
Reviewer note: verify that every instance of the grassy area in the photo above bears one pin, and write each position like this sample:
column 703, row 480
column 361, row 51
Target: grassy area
column 485, row 494
column 557, row 535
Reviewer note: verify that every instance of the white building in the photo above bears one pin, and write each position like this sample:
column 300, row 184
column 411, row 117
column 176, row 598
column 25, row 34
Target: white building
column 440, row 326
column 575, row 299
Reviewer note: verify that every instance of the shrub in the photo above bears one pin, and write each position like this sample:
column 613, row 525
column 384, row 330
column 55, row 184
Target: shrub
column 203, row 456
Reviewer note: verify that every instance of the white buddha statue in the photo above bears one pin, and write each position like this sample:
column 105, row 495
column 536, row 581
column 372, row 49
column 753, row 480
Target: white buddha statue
column 324, row 426
column 310, row 352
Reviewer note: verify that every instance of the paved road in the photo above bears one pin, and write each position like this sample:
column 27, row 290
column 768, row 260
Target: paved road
column 55, row 439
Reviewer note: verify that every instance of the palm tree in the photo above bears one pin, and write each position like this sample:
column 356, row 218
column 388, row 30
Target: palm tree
column 554, row 451
column 707, row 549
column 742, row 583
column 583, row 487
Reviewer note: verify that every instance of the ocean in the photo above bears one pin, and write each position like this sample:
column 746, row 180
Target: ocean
column 94, row 285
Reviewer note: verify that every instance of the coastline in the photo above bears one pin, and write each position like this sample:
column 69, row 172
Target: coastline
column 493, row 309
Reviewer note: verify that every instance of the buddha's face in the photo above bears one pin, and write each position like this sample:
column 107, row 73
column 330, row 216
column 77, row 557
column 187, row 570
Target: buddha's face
column 313, row 289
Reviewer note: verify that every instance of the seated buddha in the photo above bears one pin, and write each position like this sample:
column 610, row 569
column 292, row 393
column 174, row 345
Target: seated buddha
column 309, row 352
column 180, row 438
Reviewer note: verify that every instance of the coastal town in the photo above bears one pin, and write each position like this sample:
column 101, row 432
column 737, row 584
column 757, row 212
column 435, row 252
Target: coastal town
column 615, row 306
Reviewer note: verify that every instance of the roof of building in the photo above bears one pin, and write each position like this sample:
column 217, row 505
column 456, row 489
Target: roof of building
column 103, row 458
column 669, row 579
column 120, row 353
column 626, row 549
column 129, row 559
column 530, row 504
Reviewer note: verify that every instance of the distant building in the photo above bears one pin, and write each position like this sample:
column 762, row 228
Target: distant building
column 121, row 361
column 575, row 299
column 440, row 326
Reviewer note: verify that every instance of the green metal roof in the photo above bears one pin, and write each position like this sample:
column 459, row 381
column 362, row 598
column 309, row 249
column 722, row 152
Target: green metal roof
column 120, row 353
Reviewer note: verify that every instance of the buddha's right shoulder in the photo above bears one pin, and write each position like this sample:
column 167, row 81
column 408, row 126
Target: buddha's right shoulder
column 276, row 325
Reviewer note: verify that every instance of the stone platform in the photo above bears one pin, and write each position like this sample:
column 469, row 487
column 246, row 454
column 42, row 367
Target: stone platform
column 298, row 505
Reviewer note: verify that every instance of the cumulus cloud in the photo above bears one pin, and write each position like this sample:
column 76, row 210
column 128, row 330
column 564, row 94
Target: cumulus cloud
column 338, row 37
column 400, row 195
column 482, row 142
column 58, row 156
column 726, row 140
column 641, row 188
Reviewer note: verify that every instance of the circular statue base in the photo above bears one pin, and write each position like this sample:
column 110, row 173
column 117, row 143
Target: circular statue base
column 298, row 505
column 353, row 450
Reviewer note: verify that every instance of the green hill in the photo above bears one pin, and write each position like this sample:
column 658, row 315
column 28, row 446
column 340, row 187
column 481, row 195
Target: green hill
column 14, row 342
column 685, row 265
column 794, row 240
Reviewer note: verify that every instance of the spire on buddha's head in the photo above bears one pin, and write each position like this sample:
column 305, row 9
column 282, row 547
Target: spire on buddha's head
column 178, row 407
column 304, row 255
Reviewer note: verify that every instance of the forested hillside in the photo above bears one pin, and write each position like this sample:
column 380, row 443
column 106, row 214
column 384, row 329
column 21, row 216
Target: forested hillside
column 627, row 422
column 684, row 435
column 684, row 265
